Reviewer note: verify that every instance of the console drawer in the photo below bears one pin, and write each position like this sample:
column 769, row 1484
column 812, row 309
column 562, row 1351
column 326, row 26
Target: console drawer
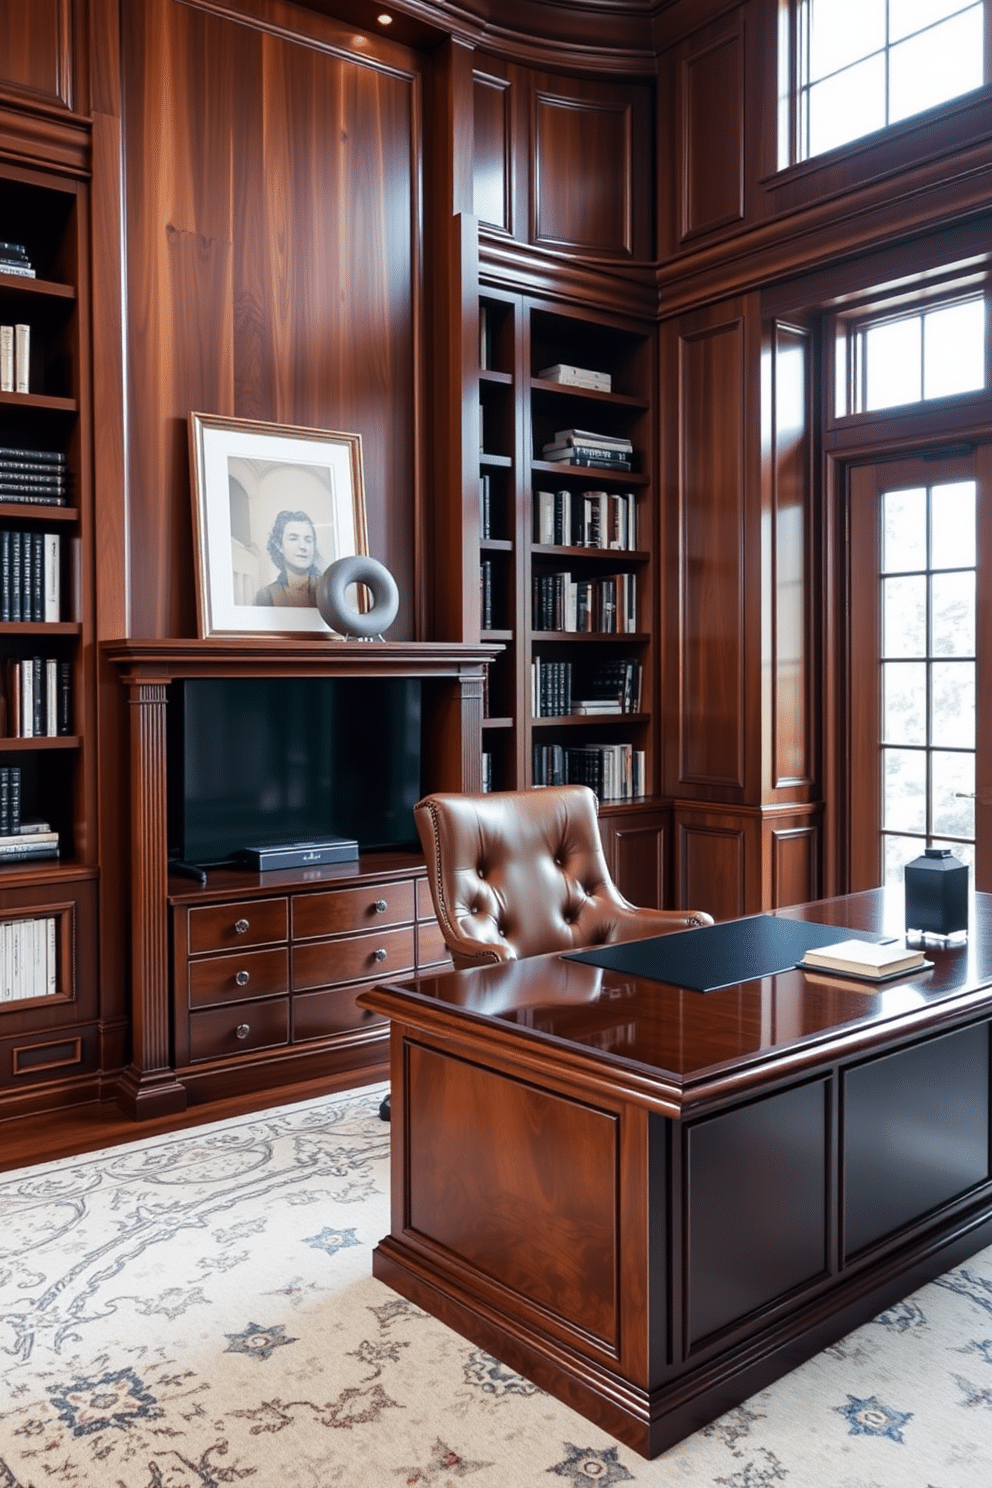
column 238, row 1028
column 431, row 949
column 353, row 958
column 223, row 927
column 342, row 910
column 239, row 978
column 331, row 1010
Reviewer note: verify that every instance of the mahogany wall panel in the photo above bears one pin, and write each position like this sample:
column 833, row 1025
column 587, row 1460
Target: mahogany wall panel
column 794, row 875
column 711, row 499
column 36, row 48
column 273, row 270
column 715, row 861
column 493, row 162
column 711, row 120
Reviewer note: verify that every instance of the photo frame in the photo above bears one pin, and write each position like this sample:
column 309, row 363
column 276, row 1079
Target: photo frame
column 273, row 506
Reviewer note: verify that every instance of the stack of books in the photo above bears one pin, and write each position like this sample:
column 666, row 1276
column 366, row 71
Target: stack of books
column 606, row 606
column 28, row 959
column 613, row 687
column 873, row 961
column 583, row 448
column 30, row 576
column 580, row 377
column 37, row 477
column 34, row 842
column 615, row 772
column 14, row 259
column 15, row 358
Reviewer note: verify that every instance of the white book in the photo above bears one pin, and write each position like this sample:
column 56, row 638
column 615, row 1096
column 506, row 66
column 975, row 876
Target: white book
column 545, row 524
column 6, row 358
column 16, row 960
column 5, row 987
column 22, row 358
column 51, row 962
column 631, row 520
column 51, row 697
column 578, row 377
column 865, row 958
column 638, row 766
column 27, row 698
column 40, row 949
column 52, row 577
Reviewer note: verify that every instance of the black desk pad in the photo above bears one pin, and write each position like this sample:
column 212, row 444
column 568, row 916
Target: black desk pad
column 714, row 956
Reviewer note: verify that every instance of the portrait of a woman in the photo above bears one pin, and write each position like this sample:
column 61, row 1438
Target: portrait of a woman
column 292, row 546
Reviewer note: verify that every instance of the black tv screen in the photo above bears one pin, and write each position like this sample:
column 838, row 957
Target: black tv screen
column 259, row 761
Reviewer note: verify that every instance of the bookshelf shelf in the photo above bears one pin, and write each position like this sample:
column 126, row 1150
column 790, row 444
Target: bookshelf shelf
column 591, row 475
column 498, row 379
column 27, row 511
column 33, row 743
column 41, row 402
column 496, row 462
column 597, row 721
column 590, row 638
column 40, row 628
column 18, row 286
column 609, row 556
column 497, row 723
column 557, row 390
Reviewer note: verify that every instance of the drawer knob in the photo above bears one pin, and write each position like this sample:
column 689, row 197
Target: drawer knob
column 241, row 926
column 380, row 906
column 242, row 1031
column 379, row 955
column 243, row 978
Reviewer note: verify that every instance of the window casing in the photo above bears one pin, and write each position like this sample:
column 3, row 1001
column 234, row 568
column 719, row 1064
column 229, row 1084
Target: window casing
column 850, row 68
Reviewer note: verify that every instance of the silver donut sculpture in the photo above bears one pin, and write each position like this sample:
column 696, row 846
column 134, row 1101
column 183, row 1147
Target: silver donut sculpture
column 340, row 614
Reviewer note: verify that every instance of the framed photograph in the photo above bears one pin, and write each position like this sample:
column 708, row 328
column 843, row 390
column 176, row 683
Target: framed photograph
column 273, row 505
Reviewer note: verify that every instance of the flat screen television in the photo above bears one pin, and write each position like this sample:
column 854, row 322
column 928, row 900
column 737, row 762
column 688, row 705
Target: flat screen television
column 259, row 761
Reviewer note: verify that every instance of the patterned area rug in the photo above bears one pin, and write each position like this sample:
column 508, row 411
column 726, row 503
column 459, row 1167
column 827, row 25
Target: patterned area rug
column 197, row 1310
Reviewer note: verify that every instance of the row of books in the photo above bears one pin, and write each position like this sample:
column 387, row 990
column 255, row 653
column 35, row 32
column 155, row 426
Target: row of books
column 10, row 801
column 15, row 358
column 37, row 477
column 586, row 519
column 36, row 700
column 584, row 447
column 611, row 688
column 28, row 959
column 30, row 576
column 486, row 594
column 616, row 772
column 15, row 259
column 605, row 606
column 485, row 507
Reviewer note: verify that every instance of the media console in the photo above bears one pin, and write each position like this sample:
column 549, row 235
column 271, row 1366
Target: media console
column 654, row 1201
column 180, row 1022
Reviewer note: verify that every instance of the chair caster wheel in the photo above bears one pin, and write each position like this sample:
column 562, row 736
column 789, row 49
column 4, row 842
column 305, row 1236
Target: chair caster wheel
column 384, row 1110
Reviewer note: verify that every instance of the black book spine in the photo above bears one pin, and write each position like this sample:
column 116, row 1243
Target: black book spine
column 5, row 574
column 15, row 576
column 4, row 800
column 38, row 576
column 65, row 698
column 46, row 457
column 15, row 800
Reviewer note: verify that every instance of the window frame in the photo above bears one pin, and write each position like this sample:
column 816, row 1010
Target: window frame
column 787, row 161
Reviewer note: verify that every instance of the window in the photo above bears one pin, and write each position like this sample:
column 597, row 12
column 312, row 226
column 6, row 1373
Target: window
column 888, row 361
column 850, row 67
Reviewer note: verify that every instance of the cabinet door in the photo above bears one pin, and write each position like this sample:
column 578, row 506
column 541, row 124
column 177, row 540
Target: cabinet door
column 636, row 846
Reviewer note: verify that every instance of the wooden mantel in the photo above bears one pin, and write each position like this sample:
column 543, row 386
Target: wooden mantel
column 452, row 760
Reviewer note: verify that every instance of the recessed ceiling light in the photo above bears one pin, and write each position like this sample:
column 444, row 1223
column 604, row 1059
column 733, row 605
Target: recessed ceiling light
column 384, row 19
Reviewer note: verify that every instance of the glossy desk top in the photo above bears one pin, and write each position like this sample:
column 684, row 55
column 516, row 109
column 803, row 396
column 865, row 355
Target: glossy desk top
column 684, row 1039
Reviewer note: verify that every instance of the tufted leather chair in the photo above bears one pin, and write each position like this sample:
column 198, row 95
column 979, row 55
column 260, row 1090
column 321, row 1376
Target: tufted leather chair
column 521, row 873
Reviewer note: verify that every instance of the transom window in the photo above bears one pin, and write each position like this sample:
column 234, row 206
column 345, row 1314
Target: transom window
column 891, row 360
column 850, row 67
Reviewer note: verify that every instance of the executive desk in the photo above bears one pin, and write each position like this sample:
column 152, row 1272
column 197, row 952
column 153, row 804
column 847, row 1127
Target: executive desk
column 653, row 1202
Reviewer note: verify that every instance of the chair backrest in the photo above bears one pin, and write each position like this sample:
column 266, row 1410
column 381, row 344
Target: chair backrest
column 521, row 873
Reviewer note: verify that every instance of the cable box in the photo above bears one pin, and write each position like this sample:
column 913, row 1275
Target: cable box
column 299, row 854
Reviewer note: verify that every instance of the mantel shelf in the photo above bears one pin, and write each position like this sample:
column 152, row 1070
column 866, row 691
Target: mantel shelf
column 303, row 655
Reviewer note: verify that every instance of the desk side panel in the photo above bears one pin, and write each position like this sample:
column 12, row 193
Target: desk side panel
column 520, row 1184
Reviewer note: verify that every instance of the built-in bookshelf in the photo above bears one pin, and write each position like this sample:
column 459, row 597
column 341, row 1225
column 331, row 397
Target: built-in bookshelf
column 567, row 575
column 48, row 989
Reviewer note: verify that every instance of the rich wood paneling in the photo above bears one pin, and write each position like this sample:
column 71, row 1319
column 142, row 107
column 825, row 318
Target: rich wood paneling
column 493, row 163
column 583, row 174
column 544, row 1224
column 711, row 89
column 636, row 846
column 787, row 496
column 36, row 48
column 714, row 863
column 793, row 873
column 767, row 1158
column 927, row 1108
column 273, row 269
column 712, row 550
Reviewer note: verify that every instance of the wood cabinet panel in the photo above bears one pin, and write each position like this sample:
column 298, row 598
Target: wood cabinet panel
column 711, row 511
column 329, row 1011
column 35, row 48
column 636, row 846
column 711, row 118
column 712, row 859
column 794, row 876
